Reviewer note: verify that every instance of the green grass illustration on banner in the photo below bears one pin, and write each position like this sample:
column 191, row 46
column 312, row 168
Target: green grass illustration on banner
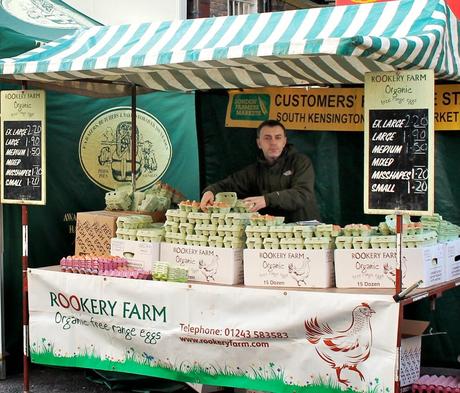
column 270, row 378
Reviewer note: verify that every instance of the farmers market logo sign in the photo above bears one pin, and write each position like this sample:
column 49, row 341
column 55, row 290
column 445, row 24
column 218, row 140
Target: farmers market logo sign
column 105, row 149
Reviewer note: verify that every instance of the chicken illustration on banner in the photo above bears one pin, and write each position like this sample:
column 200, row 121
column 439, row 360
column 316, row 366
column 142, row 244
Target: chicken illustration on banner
column 346, row 348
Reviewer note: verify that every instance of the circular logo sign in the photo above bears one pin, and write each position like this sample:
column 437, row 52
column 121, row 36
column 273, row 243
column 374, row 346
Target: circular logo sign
column 105, row 149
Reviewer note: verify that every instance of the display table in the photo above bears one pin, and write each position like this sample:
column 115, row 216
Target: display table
column 283, row 340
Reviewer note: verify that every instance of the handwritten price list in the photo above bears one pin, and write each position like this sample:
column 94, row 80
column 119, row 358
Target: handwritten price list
column 22, row 171
column 398, row 159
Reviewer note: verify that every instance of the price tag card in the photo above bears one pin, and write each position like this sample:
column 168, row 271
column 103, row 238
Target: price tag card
column 399, row 142
column 23, row 147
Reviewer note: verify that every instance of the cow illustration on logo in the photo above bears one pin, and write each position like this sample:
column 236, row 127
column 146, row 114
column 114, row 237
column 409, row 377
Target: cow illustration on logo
column 106, row 149
column 347, row 348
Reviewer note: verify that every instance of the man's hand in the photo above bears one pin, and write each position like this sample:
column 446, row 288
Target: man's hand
column 254, row 204
column 206, row 200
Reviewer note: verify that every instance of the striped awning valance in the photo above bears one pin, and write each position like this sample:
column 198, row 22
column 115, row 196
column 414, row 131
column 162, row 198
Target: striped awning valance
column 332, row 45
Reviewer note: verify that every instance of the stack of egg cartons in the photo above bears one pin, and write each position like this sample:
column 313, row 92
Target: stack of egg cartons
column 324, row 237
column 154, row 234
column 164, row 271
column 174, row 219
column 129, row 225
column 260, row 233
column 445, row 230
column 231, row 233
column 356, row 236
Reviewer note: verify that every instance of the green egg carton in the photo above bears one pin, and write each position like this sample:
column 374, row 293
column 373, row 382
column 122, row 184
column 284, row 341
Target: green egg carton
column 241, row 207
column 206, row 229
column 424, row 239
column 199, row 218
column 254, row 243
column 175, row 238
column 218, row 218
column 187, row 228
column 358, row 230
column 226, row 197
column 256, row 231
column 361, row 242
column 344, row 242
column 174, row 215
column 292, row 244
column 233, row 242
column 196, row 240
column 282, row 231
column 238, row 218
column 303, row 231
column 189, row 206
column 126, row 234
column 271, row 243
column 237, row 231
column 383, row 241
column 118, row 200
column 171, row 226
column 216, row 241
column 177, row 274
column 160, row 271
column 319, row 243
column 219, row 207
column 328, row 230
column 153, row 235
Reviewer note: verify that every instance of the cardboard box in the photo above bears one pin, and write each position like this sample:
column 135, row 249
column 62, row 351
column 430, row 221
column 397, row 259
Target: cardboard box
column 411, row 348
column 452, row 260
column 206, row 264
column 289, row 268
column 376, row 267
column 140, row 255
column 94, row 232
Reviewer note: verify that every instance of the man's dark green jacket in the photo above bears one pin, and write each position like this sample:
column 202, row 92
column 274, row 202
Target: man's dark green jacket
column 287, row 185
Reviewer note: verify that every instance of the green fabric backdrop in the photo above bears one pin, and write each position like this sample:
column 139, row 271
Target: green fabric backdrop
column 338, row 158
column 69, row 190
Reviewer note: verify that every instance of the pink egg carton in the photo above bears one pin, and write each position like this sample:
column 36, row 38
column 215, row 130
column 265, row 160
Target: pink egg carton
column 436, row 384
column 89, row 264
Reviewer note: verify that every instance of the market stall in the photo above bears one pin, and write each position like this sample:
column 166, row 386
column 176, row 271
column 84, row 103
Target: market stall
column 292, row 48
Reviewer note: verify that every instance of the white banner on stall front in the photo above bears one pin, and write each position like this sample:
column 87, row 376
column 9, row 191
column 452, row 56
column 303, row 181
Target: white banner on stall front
column 267, row 339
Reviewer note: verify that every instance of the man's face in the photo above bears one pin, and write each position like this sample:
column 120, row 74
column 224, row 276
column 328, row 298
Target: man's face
column 271, row 141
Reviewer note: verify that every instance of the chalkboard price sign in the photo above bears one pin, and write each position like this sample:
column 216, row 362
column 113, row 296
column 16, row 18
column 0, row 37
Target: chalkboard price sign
column 23, row 144
column 398, row 159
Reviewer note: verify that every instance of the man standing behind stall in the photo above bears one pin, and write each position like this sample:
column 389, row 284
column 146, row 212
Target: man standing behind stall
column 280, row 183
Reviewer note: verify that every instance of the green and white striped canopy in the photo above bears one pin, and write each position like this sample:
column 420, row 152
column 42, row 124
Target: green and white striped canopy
column 332, row 45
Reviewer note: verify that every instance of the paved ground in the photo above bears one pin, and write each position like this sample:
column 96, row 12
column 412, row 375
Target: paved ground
column 73, row 380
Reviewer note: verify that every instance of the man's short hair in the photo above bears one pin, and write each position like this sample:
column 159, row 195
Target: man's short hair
column 270, row 123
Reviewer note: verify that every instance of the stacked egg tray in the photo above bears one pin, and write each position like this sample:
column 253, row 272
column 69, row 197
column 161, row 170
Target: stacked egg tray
column 164, row 271
column 140, row 228
column 446, row 230
column 219, row 228
column 361, row 236
column 273, row 234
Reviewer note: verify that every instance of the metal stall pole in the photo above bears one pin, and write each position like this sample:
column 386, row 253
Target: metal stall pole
column 25, row 305
column 398, row 287
column 2, row 303
column 133, row 138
